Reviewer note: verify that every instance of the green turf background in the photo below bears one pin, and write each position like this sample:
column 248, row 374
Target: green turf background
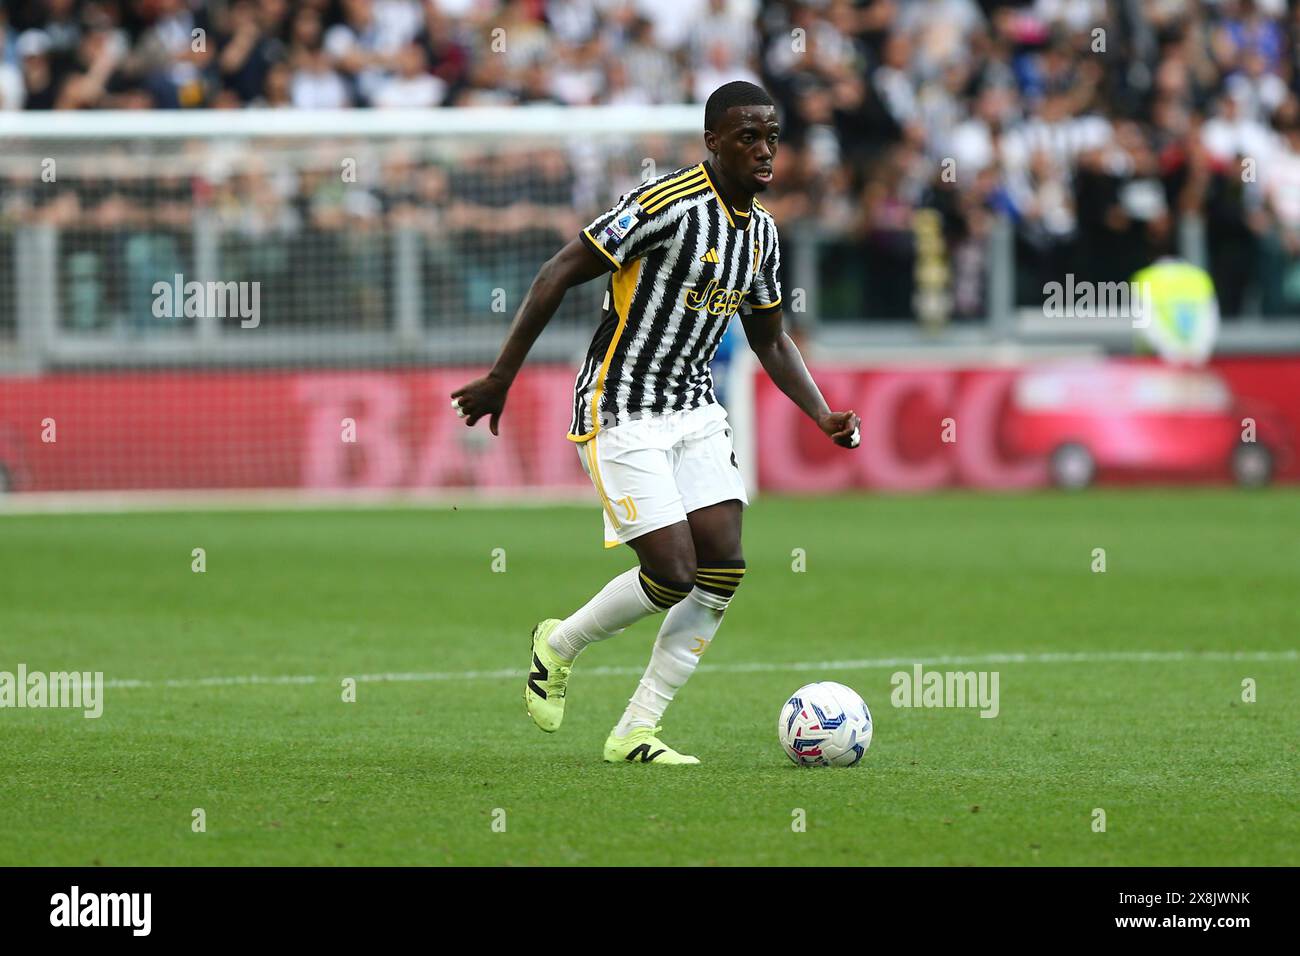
column 411, row 773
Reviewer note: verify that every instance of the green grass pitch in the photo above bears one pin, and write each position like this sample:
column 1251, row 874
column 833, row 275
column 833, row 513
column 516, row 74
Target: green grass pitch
column 415, row 770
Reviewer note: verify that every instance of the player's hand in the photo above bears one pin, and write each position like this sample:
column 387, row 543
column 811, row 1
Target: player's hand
column 844, row 428
column 483, row 396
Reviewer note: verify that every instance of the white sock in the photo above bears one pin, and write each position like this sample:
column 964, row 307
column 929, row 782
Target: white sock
column 683, row 638
column 620, row 603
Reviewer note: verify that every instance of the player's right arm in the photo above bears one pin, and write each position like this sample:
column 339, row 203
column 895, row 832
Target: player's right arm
column 573, row 265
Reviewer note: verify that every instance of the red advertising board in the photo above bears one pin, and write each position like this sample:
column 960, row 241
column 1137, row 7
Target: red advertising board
column 274, row 429
column 937, row 427
column 923, row 427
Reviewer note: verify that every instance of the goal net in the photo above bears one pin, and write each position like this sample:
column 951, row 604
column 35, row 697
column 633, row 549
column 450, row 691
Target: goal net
column 284, row 300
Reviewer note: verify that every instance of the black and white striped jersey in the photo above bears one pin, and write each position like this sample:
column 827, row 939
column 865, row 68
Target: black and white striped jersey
column 684, row 263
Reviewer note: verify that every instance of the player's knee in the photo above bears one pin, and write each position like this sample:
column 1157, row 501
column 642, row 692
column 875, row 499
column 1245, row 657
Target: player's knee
column 717, row 581
column 665, row 590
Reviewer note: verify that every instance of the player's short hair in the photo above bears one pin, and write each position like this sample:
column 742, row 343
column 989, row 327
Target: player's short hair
column 736, row 93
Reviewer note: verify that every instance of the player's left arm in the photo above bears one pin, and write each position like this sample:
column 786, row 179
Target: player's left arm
column 781, row 360
column 780, row 356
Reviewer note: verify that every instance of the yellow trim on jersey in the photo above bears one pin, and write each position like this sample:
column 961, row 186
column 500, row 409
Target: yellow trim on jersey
column 612, row 544
column 652, row 200
column 726, row 209
column 605, row 503
column 756, row 307
column 624, row 283
column 676, row 194
column 758, row 205
column 651, row 195
column 602, row 249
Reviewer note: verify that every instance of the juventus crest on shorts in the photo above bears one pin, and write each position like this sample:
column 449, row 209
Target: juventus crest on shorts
column 684, row 263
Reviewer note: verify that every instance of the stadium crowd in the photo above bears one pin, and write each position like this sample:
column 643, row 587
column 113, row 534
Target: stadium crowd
column 1102, row 129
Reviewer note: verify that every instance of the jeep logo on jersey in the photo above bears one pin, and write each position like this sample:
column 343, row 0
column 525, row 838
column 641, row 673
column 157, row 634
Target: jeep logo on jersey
column 716, row 301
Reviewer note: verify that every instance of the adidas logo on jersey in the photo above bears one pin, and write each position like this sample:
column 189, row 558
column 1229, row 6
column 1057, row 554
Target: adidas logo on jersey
column 710, row 256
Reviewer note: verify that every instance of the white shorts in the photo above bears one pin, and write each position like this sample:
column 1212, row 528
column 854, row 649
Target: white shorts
column 652, row 472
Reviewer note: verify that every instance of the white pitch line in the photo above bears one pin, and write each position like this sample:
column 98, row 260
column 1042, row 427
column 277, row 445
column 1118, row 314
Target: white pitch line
column 30, row 503
column 1105, row 657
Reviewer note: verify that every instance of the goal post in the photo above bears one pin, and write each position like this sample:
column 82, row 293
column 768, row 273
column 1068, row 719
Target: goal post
column 281, row 300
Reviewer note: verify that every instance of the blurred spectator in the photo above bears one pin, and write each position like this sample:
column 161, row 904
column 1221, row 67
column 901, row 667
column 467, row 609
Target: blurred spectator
column 316, row 84
column 721, row 65
column 1245, row 31
column 447, row 54
column 11, row 74
column 1098, row 129
column 366, row 46
column 251, row 46
column 40, row 92
column 578, row 73
column 622, row 91
column 1123, row 216
column 1042, row 201
column 674, row 19
column 651, row 67
column 63, row 29
column 1229, row 135
column 96, row 72
column 1217, row 188
column 893, row 81
column 1281, row 241
column 885, row 223
column 516, row 35
column 973, row 143
column 719, row 24
column 412, row 86
column 173, row 53
column 277, row 91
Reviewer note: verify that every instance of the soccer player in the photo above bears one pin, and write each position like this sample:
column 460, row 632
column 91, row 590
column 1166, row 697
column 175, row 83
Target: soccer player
column 687, row 251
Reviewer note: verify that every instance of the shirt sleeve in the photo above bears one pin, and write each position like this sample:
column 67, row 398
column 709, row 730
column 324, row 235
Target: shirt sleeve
column 765, row 290
column 623, row 232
